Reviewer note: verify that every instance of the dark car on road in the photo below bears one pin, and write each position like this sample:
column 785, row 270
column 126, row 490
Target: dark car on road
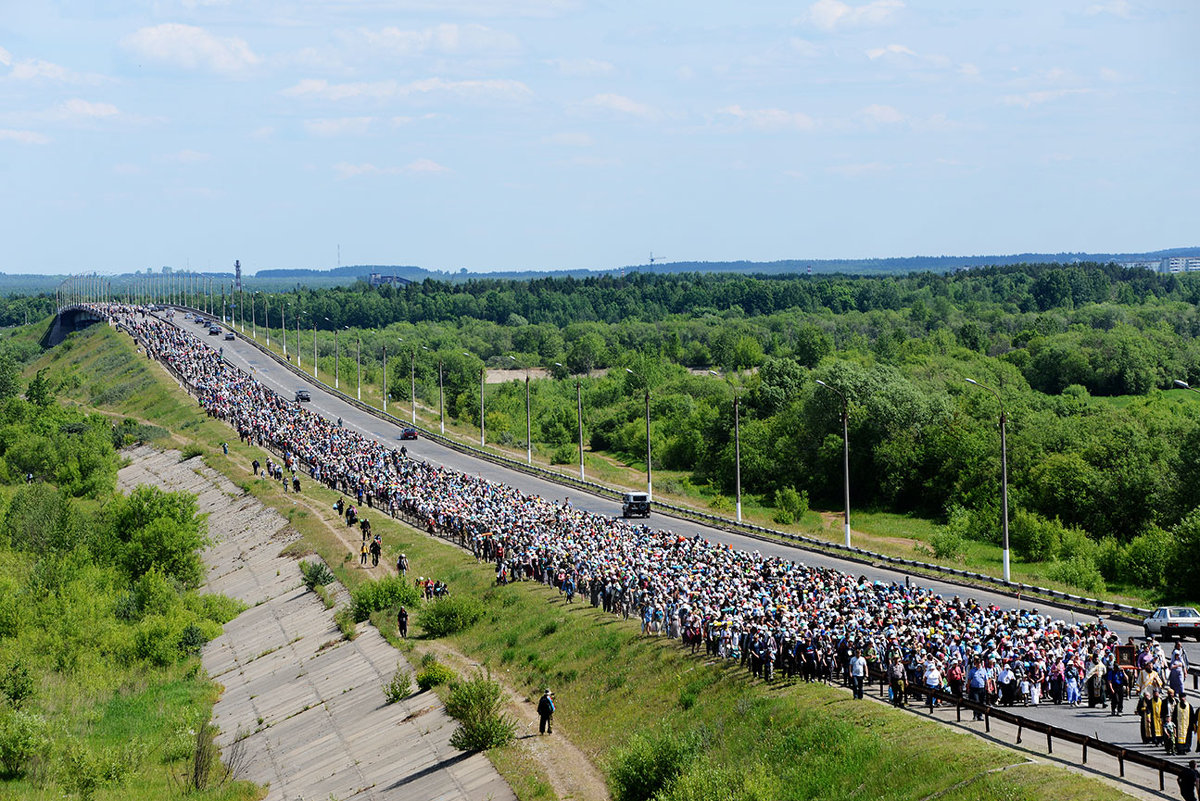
column 213, row 330
column 229, row 335
column 408, row 433
column 302, row 396
column 635, row 504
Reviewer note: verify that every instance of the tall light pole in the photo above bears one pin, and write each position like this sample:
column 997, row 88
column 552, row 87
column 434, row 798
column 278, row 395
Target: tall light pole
column 737, row 449
column 579, row 417
column 441, row 396
column 845, row 452
column 358, row 362
column 528, row 418
column 267, row 318
column 336, row 356
column 283, row 329
column 482, row 373
column 1186, row 385
column 298, row 341
column 385, row 376
column 1003, row 473
column 315, row 346
column 253, row 325
column 649, row 479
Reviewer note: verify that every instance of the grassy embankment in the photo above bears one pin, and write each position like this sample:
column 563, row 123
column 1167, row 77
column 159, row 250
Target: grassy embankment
column 748, row 740
column 887, row 533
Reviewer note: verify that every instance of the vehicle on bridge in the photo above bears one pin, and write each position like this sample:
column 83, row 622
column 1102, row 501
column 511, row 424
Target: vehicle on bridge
column 229, row 335
column 213, row 330
column 408, row 433
column 1173, row 621
column 635, row 504
column 302, row 396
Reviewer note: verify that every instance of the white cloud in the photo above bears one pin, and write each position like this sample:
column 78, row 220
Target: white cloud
column 770, row 119
column 831, row 14
column 883, row 115
column 502, row 89
column 1118, row 8
column 1030, row 99
column 339, row 126
column 191, row 48
column 346, row 170
column 569, row 140
column 445, row 39
column 609, row 102
column 5, row 57
column 487, row 8
column 76, row 109
column 890, row 50
column 804, row 47
column 593, row 161
column 23, row 137
column 125, row 168
column 968, row 70
column 264, row 132
column 582, row 67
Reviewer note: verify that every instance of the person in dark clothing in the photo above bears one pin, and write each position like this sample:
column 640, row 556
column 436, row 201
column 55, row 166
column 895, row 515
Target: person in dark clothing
column 402, row 622
column 376, row 548
column 255, row 464
column 545, row 709
column 1188, row 780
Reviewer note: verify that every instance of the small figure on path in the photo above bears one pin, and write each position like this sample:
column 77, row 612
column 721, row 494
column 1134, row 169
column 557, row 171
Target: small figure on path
column 545, row 709
column 255, row 464
column 402, row 565
column 402, row 622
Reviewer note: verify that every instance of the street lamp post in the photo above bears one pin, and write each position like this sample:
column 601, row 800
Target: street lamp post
column 267, row 318
column 385, row 376
column 297, row 340
column 315, row 346
column 1003, row 473
column 253, row 325
column 649, row 477
column 578, row 417
column 482, row 373
column 845, row 453
column 357, row 363
column 1186, row 385
column 737, row 450
column 528, row 418
column 283, row 330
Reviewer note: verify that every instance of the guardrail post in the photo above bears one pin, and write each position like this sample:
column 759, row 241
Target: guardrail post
column 987, row 719
column 1020, row 729
column 1121, row 762
column 958, row 709
column 1049, row 742
column 1162, row 785
column 1085, row 745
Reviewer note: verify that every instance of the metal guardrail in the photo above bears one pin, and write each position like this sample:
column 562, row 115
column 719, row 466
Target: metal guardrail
column 1121, row 753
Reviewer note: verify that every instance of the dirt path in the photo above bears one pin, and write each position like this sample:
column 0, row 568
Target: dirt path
column 571, row 774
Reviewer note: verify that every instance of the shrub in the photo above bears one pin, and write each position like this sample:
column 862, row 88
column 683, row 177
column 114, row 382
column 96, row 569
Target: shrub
column 386, row 593
column 792, row 502
column 1182, row 577
column 23, row 737
column 1078, row 571
column 1142, row 561
column 17, row 684
column 450, row 615
column 399, row 686
column 565, row 454
column 650, row 764
column 345, row 620
column 433, row 674
column 316, row 574
column 190, row 452
column 1033, row 537
column 476, row 704
column 947, row 543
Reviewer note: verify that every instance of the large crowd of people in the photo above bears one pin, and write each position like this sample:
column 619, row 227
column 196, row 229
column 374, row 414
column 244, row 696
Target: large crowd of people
column 776, row 616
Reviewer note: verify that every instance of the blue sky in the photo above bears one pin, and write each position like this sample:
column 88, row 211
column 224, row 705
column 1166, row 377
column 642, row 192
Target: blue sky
column 498, row 134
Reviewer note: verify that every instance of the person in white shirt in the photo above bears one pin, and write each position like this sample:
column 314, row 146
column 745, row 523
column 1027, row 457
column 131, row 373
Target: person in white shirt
column 933, row 679
column 858, row 673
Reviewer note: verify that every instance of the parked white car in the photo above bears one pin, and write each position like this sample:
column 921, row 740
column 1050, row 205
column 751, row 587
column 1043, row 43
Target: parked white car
column 1173, row 621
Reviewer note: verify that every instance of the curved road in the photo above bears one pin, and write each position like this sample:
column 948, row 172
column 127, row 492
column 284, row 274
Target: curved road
column 1097, row 722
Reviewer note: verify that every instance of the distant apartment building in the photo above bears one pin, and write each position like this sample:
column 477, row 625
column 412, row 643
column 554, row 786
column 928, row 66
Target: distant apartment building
column 1182, row 264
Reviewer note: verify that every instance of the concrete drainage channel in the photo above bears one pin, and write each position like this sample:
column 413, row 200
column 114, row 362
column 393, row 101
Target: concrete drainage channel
column 305, row 706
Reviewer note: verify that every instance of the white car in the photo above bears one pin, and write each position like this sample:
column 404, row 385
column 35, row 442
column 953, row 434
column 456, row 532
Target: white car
column 1173, row 621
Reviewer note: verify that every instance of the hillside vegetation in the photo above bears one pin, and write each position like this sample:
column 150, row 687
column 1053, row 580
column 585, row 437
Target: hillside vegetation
column 101, row 693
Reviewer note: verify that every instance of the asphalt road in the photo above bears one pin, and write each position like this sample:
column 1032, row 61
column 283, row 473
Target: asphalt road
column 1096, row 723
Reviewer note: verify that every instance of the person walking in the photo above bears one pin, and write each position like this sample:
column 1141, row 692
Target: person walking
column 402, row 622
column 1188, row 780
column 402, row 565
column 545, row 710
column 858, row 674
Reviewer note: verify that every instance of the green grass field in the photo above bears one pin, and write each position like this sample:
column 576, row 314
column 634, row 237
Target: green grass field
column 617, row 691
